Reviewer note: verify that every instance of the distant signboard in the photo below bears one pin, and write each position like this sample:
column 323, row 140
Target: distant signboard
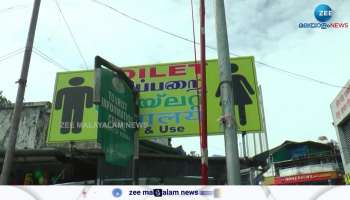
column 341, row 105
column 297, row 179
column 73, row 113
column 116, row 109
column 168, row 97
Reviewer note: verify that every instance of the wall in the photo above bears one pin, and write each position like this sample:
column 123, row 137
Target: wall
column 32, row 128
column 340, row 108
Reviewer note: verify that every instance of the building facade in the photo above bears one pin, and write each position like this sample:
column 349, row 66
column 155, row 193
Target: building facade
column 39, row 163
column 303, row 163
column 340, row 108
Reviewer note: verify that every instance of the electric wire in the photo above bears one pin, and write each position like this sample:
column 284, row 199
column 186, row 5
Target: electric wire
column 141, row 22
column 3, row 10
column 71, row 34
column 37, row 52
column 195, row 71
column 49, row 59
column 11, row 54
column 280, row 69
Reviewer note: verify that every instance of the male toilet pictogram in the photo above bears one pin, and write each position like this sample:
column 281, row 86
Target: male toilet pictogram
column 241, row 93
column 73, row 100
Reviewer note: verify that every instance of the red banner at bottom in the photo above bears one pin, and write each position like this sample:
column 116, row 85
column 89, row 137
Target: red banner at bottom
column 305, row 178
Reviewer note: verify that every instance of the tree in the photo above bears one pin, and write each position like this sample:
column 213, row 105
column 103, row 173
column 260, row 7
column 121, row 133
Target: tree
column 3, row 100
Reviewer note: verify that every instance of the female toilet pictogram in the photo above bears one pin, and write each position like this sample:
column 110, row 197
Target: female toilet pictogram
column 241, row 93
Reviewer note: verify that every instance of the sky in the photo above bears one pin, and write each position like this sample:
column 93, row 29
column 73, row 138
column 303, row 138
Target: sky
column 296, row 108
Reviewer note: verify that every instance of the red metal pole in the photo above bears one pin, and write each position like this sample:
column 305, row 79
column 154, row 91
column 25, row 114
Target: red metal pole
column 203, row 135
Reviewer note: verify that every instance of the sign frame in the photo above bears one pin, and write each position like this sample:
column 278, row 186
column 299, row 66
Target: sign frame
column 97, row 99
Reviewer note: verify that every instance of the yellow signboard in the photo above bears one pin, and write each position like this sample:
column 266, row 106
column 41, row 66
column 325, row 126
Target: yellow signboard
column 73, row 114
column 347, row 178
column 168, row 97
column 168, row 100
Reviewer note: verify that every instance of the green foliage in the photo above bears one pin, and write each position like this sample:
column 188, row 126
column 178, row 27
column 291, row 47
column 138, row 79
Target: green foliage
column 3, row 100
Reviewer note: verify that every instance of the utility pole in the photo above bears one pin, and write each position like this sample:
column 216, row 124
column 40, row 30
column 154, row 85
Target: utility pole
column 244, row 144
column 10, row 151
column 231, row 144
column 254, row 142
column 260, row 143
column 203, row 116
column 135, row 159
column 263, row 117
column 262, row 121
column 247, row 144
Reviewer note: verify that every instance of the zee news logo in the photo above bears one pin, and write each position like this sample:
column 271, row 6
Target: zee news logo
column 323, row 13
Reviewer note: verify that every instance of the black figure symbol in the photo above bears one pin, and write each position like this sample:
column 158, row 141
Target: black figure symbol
column 73, row 100
column 241, row 88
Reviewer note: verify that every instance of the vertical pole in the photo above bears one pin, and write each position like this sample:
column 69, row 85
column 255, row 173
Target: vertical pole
column 100, row 176
column 260, row 143
column 135, row 165
column 247, row 144
column 254, row 142
column 10, row 151
column 203, row 136
column 263, row 116
column 262, row 122
column 244, row 144
column 240, row 149
column 226, row 91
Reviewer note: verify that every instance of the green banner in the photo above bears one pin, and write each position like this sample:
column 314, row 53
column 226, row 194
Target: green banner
column 116, row 117
column 73, row 114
